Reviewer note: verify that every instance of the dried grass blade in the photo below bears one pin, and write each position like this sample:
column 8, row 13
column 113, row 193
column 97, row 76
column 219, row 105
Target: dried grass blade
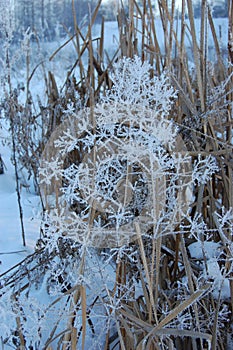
column 145, row 265
column 155, row 39
column 189, row 274
column 120, row 336
column 174, row 313
column 170, row 43
column 101, row 45
column 158, row 247
column 127, row 313
column 185, row 333
column 131, row 29
column 183, row 96
column 129, row 335
column 61, row 47
column 21, row 337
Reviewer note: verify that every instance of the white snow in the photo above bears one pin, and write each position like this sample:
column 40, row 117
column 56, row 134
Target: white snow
column 210, row 253
column 10, row 227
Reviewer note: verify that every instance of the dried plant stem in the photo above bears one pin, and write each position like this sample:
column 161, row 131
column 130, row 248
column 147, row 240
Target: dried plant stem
column 17, row 181
column 196, row 54
column 145, row 265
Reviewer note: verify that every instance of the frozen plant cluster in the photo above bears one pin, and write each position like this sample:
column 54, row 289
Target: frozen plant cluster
column 135, row 83
column 204, row 169
column 119, row 161
column 114, row 176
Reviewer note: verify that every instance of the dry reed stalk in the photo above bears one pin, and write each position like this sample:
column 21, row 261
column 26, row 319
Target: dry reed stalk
column 230, row 98
column 130, row 29
column 100, row 57
column 158, row 245
column 153, row 40
column 91, row 81
column 182, row 67
column 191, row 279
column 77, row 46
column 84, row 314
column 21, row 336
column 178, row 309
column 152, row 304
column 216, row 44
column 75, row 298
column 147, row 327
column 196, row 55
column 142, row 16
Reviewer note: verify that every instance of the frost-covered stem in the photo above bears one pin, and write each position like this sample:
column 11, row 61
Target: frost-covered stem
column 127, row 182
column 230, row 96
column 8, row 69
column 157, row 241
column 57, row 198
column 28, row 68
column 200, row 197
column 78, row 294
column 74, row 300
column 17, row 176
column 18, row 322
column 189, row 274
column 10, row 98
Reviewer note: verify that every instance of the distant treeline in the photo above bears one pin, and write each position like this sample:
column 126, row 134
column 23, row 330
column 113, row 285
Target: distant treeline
column 219, row 9
column 51, row 17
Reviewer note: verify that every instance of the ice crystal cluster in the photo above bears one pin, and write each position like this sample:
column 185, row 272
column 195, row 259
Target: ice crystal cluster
column 120, row 161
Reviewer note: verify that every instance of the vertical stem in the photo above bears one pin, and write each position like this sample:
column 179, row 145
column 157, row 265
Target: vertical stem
column 131, row 29
column 11, row 115
column 28, row 70
column 203, row 43
column 143, row 30
column 230, row 98
column 17, row 176
column 196, row 54
column 155, row 41
column 170, row 42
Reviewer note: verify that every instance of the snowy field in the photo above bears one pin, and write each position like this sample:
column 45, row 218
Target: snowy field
column 10, row 226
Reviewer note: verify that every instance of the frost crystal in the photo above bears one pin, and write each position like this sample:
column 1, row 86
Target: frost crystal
column 133, row 85
column 7, row 315
column 50, row 171
column 204, row 168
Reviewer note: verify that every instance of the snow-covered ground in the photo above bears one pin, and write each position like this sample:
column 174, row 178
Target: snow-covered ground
column 12, row 250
